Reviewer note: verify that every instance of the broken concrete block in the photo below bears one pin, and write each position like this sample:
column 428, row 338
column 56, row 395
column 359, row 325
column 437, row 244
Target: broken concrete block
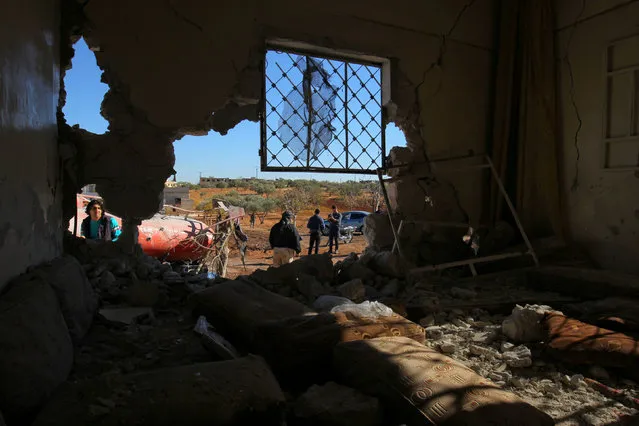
column 378, row 232
column 518, row 357
column 463, row 293
column 327, row 302
column 310, row 288
column 506, row 346
column 524, row 324
column 391, row 289
column 236, row 392
column 127, row 315
column 447, row 347
column 143, row 270
column 435, row 332
column 485, row 337
column 336, row 405
column 353, row 290
column 424, row 390
column 484, row 351
column 388, row 264
column 427, row 321
column 172, row 278
column 319, row 266
column 78, row 301
column 36, row 352
column 107, row 280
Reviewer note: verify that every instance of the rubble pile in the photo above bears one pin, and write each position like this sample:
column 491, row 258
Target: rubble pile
column 358, row 343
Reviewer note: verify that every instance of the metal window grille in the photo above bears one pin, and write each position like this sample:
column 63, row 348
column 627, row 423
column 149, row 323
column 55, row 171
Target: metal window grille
column 321, row 114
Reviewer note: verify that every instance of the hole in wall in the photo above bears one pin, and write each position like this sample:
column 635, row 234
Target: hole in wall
column 84, row 90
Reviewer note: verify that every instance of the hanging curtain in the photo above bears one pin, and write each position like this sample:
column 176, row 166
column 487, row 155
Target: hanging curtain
column 525, row 144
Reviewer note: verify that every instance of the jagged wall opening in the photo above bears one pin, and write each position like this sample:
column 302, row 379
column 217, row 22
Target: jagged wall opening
column 441, row 64
column 84, row 91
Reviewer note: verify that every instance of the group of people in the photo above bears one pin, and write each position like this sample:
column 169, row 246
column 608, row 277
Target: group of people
column 285, row 239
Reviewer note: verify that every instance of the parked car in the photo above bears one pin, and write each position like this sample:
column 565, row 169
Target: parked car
column 352, row 219
column 355, row 219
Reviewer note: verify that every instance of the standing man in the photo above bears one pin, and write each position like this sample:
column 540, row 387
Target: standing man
column 335, row 218
column 285, row 240
column 252, row 220
column 316, row 226
column 98, row 226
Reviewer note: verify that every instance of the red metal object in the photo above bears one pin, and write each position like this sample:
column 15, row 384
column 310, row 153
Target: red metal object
column 171, row 238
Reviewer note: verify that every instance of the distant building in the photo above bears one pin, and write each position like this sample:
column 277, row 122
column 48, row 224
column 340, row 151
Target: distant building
column 178, row 196
column 209, row 182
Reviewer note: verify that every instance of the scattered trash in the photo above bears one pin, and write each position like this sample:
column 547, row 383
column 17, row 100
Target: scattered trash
column 214, row 341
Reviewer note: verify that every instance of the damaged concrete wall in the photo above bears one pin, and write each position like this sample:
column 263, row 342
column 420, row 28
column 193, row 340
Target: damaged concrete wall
column 172, row 65
column 601, row 181
column 30, row 203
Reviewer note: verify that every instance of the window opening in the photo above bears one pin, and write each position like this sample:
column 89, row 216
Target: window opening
column 321, row 114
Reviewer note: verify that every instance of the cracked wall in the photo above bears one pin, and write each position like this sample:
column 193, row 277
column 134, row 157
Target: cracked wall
column 601, row 203
column 30, row 186
column 171, row 65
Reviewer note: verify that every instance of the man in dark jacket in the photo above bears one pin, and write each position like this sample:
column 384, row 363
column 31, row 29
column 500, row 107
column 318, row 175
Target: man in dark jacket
column 335, row 219
column 315, row 226
column 285, row 240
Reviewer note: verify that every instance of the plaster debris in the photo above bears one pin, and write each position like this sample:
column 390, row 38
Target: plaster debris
column 523, row 325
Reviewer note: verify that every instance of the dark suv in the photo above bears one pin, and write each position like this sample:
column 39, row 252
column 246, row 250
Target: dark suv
column 354, row 219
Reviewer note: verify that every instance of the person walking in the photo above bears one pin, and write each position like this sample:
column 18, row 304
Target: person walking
column 335, row 218
column 315, row 226
column 99, row 226
column 252, row 220
column 285, row 240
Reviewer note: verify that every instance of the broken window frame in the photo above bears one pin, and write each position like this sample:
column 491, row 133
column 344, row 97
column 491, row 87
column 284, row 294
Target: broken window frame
column 309, row 51
column 632, row 135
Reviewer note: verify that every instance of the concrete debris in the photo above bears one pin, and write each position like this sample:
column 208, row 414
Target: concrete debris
column 310, row 288
column 524, row 324
column 434, row 332
column 107, row 279
column 336, row 405
column 365, row 309
column 353, row 290
column 599, row 372
column 391, row 289
column 171, row 278
column 518, row 357
column 447, row 347
column 78, row 301
column 213, row 393
column 427, row 321
column 463, row 293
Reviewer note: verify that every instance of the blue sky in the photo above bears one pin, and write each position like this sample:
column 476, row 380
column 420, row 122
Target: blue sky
column 211, row 155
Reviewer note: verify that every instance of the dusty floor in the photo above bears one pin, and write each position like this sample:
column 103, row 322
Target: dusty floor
column 462, row 318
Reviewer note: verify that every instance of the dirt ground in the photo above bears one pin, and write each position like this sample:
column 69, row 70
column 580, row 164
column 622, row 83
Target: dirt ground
column 257, row 258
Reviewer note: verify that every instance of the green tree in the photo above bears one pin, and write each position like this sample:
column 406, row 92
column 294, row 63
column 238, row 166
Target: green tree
column 350, row 192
